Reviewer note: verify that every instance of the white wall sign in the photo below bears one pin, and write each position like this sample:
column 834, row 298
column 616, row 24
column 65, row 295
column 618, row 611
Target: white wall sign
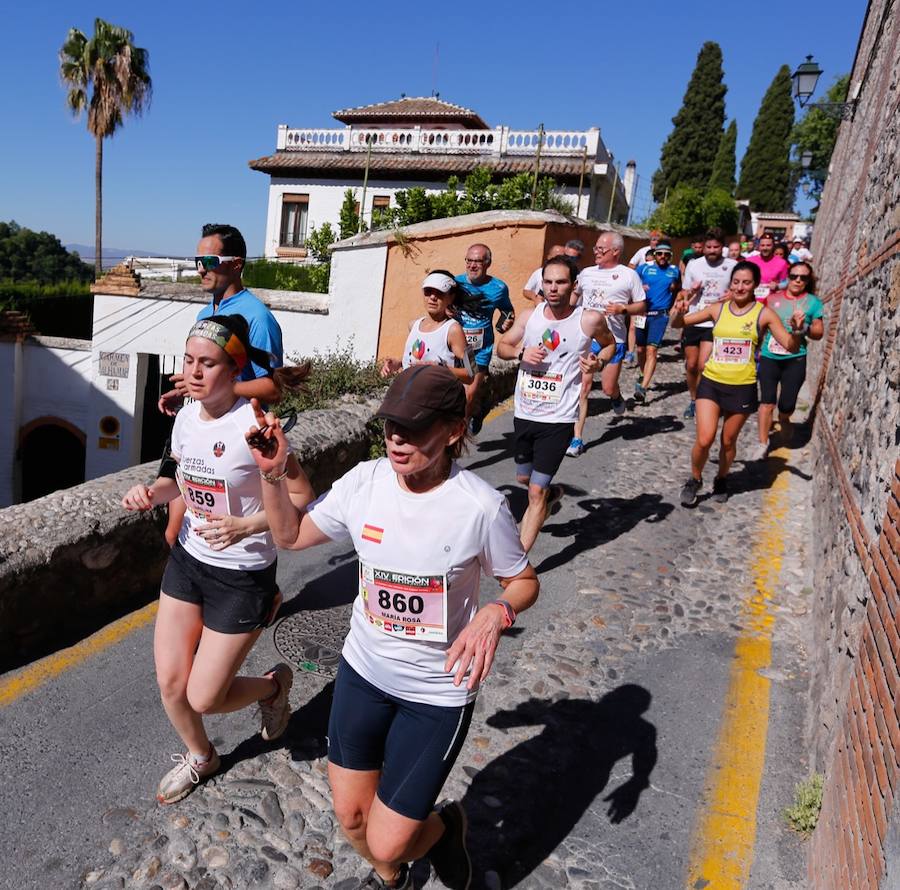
column 114, row 364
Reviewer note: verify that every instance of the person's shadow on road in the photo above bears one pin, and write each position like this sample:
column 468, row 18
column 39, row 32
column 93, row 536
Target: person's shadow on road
column 603, row 521
column 524, row 804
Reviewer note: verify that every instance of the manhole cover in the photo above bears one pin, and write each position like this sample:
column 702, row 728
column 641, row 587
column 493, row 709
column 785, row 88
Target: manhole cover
column 312, row 641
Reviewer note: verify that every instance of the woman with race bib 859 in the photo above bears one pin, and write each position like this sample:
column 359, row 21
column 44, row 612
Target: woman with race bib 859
column 419, row 646
column 218, row 589
column 727, row 385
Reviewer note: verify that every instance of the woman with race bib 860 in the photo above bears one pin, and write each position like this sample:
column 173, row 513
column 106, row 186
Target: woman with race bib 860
column 727, row 385
column 419, row 646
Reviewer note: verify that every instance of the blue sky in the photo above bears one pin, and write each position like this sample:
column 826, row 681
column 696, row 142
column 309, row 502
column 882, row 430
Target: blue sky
column 225, row 75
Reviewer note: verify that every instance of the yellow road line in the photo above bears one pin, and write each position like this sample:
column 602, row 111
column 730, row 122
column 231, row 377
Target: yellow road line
column 725, row 834
column 499, row 410
column 35, row 675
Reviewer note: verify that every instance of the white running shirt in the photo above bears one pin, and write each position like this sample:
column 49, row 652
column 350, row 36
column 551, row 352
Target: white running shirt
column 429, row 347
column 600, row 287
column 548, row 392
column 218, row 477
column 417, row 551
column 715, row 280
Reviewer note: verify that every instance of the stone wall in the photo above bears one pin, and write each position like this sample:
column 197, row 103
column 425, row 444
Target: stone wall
column 74, row 560
column 854, row 727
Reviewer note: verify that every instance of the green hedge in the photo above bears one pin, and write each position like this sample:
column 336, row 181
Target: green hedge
column 65, row 309
column 287, row 276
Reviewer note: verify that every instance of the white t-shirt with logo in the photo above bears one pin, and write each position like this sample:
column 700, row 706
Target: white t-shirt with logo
column 714, row 279
column 218, row 477
column 420, row 558
column 598, row 288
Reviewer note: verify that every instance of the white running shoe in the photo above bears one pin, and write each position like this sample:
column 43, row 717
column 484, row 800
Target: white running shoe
column 761, row 451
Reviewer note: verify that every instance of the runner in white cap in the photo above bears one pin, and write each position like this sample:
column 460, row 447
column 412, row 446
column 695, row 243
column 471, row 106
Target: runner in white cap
column 419, row 646
column 436, row 338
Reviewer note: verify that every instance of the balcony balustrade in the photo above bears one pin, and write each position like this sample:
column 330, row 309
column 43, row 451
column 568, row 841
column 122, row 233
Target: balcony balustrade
column 417, row 140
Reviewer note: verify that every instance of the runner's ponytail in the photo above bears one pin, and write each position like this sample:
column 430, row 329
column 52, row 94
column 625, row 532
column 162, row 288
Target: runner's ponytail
column 287, row 379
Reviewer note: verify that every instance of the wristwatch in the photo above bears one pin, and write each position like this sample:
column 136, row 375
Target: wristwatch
column 508, row 611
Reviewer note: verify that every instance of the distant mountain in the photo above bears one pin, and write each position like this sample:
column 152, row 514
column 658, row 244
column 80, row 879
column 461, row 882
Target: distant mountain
column 111, row 255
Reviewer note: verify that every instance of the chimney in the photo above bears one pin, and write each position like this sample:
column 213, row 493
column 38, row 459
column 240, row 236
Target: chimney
column 629, row 182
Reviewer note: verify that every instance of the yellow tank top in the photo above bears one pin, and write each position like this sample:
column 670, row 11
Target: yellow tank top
column 735, row 341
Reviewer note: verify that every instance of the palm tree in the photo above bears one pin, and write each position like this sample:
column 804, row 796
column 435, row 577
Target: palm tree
column 109, row 76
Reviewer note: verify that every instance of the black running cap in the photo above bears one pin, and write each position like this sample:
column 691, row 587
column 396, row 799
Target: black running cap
column 422, row 394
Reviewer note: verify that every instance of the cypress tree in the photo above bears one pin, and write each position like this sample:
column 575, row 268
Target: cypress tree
column 688, row 154
column 724, row 165
column 766, row 166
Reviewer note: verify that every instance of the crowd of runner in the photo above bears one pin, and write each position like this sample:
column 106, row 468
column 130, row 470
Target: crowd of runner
column 424, row 528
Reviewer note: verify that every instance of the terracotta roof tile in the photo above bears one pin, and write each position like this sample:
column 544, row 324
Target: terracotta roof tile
column 427, row 108
column 397, row 166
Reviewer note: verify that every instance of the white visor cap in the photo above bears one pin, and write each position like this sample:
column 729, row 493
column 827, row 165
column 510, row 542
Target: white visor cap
column 439, row 281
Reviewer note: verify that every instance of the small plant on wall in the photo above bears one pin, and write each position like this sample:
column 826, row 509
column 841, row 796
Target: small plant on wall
column 803, row 814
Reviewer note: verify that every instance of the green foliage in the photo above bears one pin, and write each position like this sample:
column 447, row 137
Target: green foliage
column 803, row 815
column 689, row 210
column 722, row 176
column 15, row 291
column 682, row 213
column 319, row 240
column 287, row 276
column 107, row 75
column 335, row 374
column 38, row 257
column 719, row 211
column 479, row 193
column 348, row 219
column 766, row 168
column 817, row 132
column 688, row 154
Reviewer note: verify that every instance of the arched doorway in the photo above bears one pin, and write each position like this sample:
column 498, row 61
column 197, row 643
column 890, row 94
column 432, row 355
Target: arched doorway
column 52, row 453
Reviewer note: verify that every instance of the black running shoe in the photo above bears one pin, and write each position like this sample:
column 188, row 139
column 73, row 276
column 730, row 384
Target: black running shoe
column 720, row 489
column 450, row 856
column 476, row 422
column 690, row 494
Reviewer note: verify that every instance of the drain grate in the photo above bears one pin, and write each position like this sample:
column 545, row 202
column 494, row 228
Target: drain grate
column 312, row 641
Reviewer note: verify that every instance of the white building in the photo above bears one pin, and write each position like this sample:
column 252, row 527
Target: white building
column 421, row 142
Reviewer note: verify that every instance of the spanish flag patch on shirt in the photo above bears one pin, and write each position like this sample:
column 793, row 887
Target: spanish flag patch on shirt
column 372, row 533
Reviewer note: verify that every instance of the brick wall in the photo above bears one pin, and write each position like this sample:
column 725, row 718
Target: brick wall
column 854, row 726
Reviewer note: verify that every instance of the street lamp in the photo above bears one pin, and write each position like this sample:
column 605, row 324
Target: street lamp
column 805, row 79
column 806, row 159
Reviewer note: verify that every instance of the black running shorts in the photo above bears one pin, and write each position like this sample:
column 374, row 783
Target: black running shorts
column 413, row 745
column 694, row 336
column 789, row 373
column 233, row 601
column 732, row 398
column 542, row 446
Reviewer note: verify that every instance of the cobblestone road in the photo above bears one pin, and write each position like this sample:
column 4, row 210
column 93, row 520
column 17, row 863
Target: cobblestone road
column 589, row 755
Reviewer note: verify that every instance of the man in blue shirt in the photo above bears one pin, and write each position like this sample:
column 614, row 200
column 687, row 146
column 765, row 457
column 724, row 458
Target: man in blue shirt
column 481, row 295
column 661, row 281
column 221, row 254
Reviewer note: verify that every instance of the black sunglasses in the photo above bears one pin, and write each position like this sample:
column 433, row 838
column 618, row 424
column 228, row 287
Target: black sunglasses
column 798, row 276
